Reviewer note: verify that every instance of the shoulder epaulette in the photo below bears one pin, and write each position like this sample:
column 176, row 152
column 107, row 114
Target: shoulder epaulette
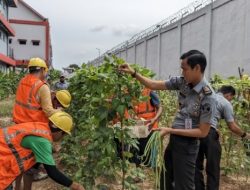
column 207, row 90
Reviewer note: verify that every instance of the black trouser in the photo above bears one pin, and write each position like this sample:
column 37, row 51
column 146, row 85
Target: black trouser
column 210, row 149
column 137, row 154
column 180, row 157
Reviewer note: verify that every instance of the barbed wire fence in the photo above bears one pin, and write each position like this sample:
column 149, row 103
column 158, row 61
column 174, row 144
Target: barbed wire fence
column 190, row 9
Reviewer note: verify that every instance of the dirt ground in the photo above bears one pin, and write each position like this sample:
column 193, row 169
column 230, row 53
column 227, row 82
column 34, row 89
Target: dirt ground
column 227, row 183
column 5, row 121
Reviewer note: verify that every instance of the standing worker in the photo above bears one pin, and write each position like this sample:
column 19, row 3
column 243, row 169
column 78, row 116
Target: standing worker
column 33, row 98
column 150, row 111
column 61, row 84
column 24, row 145
column 210, row 147
column 196, row 110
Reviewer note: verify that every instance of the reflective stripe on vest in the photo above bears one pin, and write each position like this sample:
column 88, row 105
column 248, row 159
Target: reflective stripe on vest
column 28, row 157
column 13, row 149
column 16, row 159
column 28, row 105
column 7, row 137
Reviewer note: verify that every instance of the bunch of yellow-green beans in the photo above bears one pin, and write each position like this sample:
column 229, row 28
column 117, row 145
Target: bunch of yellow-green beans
column 154, row 156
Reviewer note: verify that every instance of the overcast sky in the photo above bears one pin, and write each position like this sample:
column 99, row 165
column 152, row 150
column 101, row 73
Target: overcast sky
column 79, row 27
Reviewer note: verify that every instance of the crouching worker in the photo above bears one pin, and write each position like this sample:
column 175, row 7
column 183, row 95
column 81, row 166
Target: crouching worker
column 24, row 145
column 61, row 99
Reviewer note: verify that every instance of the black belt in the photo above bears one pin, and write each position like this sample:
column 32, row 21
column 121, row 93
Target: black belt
column 184, row 139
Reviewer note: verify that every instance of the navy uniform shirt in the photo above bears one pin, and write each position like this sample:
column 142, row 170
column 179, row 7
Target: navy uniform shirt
column 197, row 103
column 224, row 110
column 61, row 85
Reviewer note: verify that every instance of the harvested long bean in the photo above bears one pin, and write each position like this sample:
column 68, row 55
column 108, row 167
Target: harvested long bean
column 154, row 156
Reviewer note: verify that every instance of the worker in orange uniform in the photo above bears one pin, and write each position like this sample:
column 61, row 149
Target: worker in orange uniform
column 33, row 99
column 24, row 145
column 60, row 100
column 150, row 111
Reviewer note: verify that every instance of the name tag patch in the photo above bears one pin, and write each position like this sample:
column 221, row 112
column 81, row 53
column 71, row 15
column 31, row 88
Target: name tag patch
column 188, row 123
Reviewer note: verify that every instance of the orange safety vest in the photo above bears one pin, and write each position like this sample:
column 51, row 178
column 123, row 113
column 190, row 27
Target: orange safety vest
column 14, row 159
column 145, row 110
column 117, row 118
column 27, row 108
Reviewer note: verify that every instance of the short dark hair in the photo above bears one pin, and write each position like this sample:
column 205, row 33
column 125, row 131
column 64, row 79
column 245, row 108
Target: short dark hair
column 54, row 129
column 226, row 89
column 195, row 57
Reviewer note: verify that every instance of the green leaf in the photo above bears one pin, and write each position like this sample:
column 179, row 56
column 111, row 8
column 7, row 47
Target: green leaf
column 128, row 154
column 115, row 103
column 78, row 173
column 121, row 110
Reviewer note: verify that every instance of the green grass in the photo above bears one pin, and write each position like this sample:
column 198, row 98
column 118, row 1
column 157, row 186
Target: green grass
column 6, row 107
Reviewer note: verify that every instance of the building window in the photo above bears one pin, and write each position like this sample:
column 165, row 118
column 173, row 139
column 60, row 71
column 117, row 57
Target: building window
column 4, row 5
column 1, row 2
column 10, row 40
column 35, row 42
column 4, row 38
column 0, row 35
column 22, row 41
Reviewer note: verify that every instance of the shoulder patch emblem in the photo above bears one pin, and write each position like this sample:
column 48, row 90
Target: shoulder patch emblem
column 207, row 90
column 206, row 108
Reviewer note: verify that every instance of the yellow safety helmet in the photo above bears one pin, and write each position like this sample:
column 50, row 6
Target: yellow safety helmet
column 64, row 97
column 63, row 121
column 38, row 62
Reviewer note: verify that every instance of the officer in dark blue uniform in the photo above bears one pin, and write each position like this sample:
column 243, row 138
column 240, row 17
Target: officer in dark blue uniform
column 196, row 109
